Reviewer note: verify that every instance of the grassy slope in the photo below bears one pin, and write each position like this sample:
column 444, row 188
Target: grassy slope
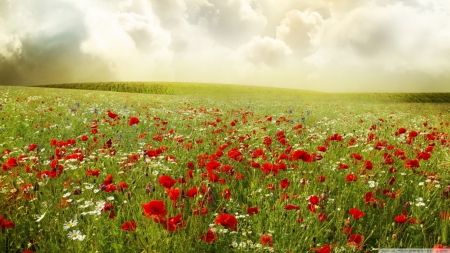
column 235, row 91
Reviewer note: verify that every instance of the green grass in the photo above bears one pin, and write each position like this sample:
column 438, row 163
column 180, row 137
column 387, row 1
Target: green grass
column 232, row 91
column 238, row 117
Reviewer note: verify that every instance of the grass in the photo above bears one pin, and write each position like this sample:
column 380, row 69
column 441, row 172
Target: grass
column 245, row 91
column 231, row 139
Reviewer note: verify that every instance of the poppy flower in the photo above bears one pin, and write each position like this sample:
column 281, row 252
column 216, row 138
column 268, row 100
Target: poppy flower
column 252, row 210
column 314, row 199
column 356, row 213
column 291, row 207
column 325, row 249
column 210, row 236
column 133, row 121
column 166, row 181
column 91, row 173
column 191, row 193
column 284, row 183
column 154, row 208
column 351, row 178
column 267, row 240
column 173, row 193
column 122, row 186
column 172, row 223
column 321, row 178
column 112, row 115
column 322, row 148
column 400, row 219
column 226, row 194
column 322, row 216
column 355, row 240
column 129, row 226
column 227, row 220
column 32, row 147
column 108, row 180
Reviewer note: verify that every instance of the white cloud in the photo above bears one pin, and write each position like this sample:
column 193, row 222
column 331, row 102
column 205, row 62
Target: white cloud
column 393, row 38
column 265, row 51
column 298, row 28
column 306, row 42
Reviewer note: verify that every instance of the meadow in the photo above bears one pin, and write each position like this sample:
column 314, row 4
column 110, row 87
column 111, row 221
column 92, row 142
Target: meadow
column 219, row 168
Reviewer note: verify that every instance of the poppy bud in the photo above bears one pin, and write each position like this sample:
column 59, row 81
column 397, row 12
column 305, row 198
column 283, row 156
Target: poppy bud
column 148, row 189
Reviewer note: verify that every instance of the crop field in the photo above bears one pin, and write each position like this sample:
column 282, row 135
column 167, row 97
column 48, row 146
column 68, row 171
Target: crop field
column 222, row 169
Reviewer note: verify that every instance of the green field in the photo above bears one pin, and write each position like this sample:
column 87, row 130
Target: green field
column 255, row 169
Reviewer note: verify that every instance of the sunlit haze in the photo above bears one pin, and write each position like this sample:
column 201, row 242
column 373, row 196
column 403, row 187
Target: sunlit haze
column 322, row 45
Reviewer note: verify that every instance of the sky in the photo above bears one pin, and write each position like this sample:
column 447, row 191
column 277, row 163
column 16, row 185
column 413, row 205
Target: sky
column 322, row 45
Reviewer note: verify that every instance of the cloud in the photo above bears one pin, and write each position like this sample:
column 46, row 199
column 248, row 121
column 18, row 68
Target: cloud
column 391, row 40
column 298, row 28
column 264, row 51
column 328, row 45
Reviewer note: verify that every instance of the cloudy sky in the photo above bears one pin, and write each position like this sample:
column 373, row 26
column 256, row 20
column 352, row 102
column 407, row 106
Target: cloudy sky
column 324, row 45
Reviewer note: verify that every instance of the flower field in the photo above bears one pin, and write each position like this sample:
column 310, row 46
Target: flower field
column 96, row 171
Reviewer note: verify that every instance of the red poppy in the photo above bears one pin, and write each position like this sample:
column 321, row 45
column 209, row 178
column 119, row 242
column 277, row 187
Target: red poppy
column 133, row 121
column 322, row 216
column 210, row 236
column 108, row 180
column 412, row 164
column 322, row 148
column 4, row 224
column 172, row 223
column 356, row 156
column 91, row 173
column 343, row 166
column 412, row 134
column 191, row 193
column 129, row 226
column 356, row 213
column 284, row 183
column 173, row 193
column 32, row 147
column 355, row 240
column 291, row 207
column 166, row 181
column 227, row 220
column 112, row 115
column 154, row 208
column 321, row 178
column 122, row 186
column 325, row 249
column 267, row 239
column 400, row 219
column 314, row 199
column 226, row 194
column 252, row 210
column 351, row 178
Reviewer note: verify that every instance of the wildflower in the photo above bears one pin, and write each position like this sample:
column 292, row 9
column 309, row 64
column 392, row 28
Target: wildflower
column 252, row 210
column 166, row 181
column 70, row 224
column 129, row 226
column 227, row 220
column 210, row 236
column 76, row 235
column 133, row 121
column 154, row 208
column 400, row 219
column 356, row 213
column 267, row 239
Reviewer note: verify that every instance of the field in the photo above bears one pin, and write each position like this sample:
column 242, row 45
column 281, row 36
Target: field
column 221, row 168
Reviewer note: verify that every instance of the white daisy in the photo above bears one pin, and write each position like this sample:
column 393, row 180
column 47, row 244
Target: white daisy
column 70, row 224
column 76, row 235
